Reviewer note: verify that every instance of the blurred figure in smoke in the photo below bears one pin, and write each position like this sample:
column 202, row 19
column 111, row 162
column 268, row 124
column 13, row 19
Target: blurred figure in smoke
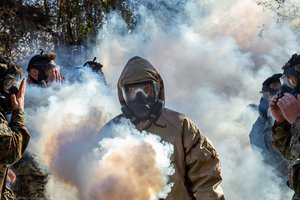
column 96, row 67
column 286, row 130
column 197, row 165
column 14, row 135
column 42, row 70
column 261, row 132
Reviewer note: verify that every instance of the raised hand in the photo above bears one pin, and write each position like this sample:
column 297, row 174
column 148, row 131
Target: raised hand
column 17, row 101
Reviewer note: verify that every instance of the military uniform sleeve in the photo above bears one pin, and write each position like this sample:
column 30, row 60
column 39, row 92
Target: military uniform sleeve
column 14, row 137
column 203, row 168
column 281, row 138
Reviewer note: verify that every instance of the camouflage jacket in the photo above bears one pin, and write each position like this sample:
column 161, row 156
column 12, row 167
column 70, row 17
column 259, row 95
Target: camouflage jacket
column 31, row 180
column 285, row 138
column 271, row 156
column 14, row 139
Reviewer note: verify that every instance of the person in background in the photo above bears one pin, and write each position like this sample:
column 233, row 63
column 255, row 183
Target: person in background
column 14, row 136
column 42, row 70
column 285, row 108
column 261, row 132
column 96, row 67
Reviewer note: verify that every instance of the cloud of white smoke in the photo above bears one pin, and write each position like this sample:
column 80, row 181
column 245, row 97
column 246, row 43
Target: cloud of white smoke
column 213, row 63
column 213, row 57
column 66, row 120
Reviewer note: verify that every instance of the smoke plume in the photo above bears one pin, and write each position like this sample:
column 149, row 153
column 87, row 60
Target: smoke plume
column 213, row 57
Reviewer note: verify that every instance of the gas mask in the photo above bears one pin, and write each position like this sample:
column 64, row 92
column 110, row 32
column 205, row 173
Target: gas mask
column 291, row 81
column 268, row 93
column 7, row 89
column 141, row 101
column 42, row 63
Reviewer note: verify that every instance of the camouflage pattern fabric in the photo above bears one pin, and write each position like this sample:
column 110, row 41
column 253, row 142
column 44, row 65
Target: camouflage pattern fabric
column 285, row 139
column 14, row 139
column 31, row 181
column 281, row 138
column 273, row 157
column 8, row 194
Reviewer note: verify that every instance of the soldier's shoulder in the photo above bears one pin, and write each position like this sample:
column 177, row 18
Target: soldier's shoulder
column 173, row 115
column 116, row 120
column 177, row 119
column 107, row 128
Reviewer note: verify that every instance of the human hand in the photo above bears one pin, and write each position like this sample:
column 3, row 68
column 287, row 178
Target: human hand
column 290, row 107
column 54, row 75
column 275, row 110
column 11, row 176
column 17, row 101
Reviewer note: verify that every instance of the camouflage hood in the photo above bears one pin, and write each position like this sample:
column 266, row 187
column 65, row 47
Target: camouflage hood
column 138, row 70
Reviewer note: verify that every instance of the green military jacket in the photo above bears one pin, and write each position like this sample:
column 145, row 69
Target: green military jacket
column 14, row 139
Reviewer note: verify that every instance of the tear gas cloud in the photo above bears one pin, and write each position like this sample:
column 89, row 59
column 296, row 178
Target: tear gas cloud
column 213, row 57
column 65, row 121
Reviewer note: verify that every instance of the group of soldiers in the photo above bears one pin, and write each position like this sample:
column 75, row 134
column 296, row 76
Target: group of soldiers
column 141, row 94
column 21, row 177
column 276, row 132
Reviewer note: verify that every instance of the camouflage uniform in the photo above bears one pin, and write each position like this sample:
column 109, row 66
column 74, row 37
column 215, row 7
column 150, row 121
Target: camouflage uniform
column 8, row 194
column 14, row 139
column 285, row 139
column 31, row 181
column 271, row 156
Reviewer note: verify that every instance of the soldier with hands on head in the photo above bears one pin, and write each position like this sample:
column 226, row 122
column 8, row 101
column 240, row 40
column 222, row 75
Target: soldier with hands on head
column 14, row 136
column 42, row 70
column 197, row 166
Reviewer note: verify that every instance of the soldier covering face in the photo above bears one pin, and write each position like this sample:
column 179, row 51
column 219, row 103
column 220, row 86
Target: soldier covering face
column 42, row 70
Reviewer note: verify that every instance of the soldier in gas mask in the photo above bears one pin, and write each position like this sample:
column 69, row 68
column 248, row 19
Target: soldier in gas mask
column 286, row 130
column 197, row 165
column 261, row 132
column 270, row 87
column 14, row 135
column 42, row 70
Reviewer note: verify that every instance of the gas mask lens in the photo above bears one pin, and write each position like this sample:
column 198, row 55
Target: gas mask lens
column 148, row 89
column 289, row 80
column 8, row 82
